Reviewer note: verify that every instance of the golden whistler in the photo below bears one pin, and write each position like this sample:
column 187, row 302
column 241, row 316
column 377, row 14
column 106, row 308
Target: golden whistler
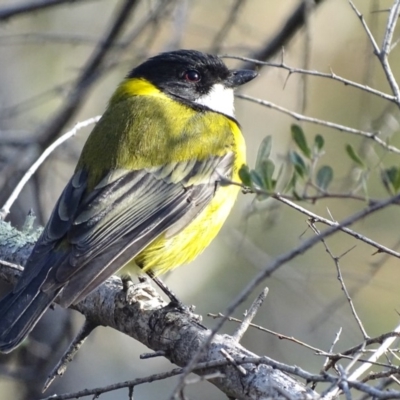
column 150, row 188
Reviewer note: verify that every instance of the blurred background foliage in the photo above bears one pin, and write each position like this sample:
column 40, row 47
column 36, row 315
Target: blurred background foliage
column 43, row 53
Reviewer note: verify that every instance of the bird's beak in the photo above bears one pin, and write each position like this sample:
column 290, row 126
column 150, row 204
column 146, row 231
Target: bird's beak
column 239, row 77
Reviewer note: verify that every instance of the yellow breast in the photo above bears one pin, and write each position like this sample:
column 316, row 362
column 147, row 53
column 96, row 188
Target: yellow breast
column 167, row 253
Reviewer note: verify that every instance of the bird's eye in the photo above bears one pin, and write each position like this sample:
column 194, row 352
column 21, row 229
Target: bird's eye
column 192, row 75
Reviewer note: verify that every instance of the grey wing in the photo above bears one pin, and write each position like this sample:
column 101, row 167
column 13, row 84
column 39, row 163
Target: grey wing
column 87, row 239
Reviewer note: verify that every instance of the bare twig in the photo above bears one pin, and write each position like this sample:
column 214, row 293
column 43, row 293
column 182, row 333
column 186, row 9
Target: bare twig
column 381, row 394
column 278, row 335
column 335, row 340
column 145, row 356
column 14, row 195
column 251, row 313
column 367, row 30
column 386, row 47
column 365, row 366
column 20, row 9
column 341, row 280
column 202, row 378
column 328, row 124
column 303, row 89
column 70, row 353
column 383, row 53
column 232, row 362
column 358, row 236
column 227, row 25
column 89, row 75
column 120, row 385
column 331, row 75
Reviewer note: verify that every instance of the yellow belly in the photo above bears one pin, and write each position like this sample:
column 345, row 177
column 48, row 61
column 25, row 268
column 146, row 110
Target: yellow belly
column 165, row 254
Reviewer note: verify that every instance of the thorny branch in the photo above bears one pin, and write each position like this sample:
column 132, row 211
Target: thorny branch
column 300, row 117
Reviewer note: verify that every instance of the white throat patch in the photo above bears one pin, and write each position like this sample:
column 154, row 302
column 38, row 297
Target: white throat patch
column 219, row 99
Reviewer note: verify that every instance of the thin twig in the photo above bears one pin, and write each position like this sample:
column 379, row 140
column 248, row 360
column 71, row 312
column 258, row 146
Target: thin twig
column 202, row 378
column 164, row 375
column 232, row 362
column 70, row 353
column 341, row 280
column 331, row 75
column 278, row 335
column 386, row 47
column 364, row 367
column 390, row 26
column 227, row 25
column 366, row 28
column 303, row 88
column 335, row 340
column 14, row 195
column 383, row 53
column 20, row 9
column 89, row 75
column 301, row 117
column 359, row 348
column 381, row 248
column 251, row 313
column 154, row 354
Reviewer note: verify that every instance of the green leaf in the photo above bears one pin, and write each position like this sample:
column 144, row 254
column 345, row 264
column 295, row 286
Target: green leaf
column 300, row 139
column 391, row 176
column 386, row 183
column 264, row 152
column 298, row 163
column 319, row 142
column 354, row 156
column 244, row 175
column 324, row 177
column 267, row 170
column 396, row 183
column 292, row 183
column 256, row 179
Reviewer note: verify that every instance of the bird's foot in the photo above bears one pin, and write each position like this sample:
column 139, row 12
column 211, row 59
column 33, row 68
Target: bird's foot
column 177, row 305
column 142, row 293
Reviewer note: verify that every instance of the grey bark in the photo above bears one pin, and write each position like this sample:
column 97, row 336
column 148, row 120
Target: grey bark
column 145, row 317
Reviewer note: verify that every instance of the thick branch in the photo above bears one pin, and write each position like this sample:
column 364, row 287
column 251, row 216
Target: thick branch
column 162, row 329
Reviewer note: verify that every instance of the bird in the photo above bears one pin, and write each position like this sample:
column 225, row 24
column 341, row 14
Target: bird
column 151, row 189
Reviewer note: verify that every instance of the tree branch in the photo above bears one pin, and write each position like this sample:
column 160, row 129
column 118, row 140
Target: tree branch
column 30, row 6
column 161, row 329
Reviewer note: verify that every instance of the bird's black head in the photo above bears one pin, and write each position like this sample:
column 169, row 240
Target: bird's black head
column 194, row 77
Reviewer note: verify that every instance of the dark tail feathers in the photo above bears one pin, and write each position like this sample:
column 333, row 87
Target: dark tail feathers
column 19, row 313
